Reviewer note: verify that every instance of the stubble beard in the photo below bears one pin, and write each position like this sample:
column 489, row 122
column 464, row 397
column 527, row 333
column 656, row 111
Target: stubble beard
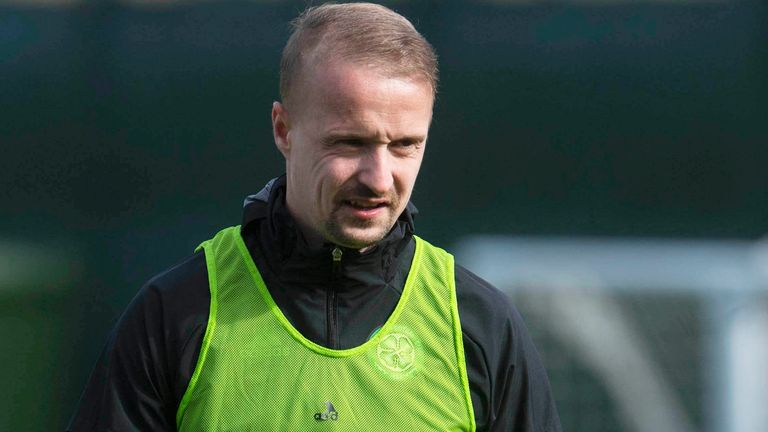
column 345, row 233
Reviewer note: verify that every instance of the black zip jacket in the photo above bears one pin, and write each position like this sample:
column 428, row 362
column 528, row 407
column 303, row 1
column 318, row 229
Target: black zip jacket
column 147, row 363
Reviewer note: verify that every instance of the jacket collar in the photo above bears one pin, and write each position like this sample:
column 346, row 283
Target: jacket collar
column 293, row 260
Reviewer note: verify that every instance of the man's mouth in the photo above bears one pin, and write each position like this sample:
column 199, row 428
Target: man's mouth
column 365, row 205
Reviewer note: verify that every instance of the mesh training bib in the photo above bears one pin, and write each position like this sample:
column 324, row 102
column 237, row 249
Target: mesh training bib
column 256, row 372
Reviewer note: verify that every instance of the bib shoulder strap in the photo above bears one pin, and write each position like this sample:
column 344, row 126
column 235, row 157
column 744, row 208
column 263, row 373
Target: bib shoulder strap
column 223, row 236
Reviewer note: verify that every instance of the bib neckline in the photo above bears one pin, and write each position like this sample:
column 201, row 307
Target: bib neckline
column 303, row 340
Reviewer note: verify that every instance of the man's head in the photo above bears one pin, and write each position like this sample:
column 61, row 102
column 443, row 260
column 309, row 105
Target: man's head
column 357, row 84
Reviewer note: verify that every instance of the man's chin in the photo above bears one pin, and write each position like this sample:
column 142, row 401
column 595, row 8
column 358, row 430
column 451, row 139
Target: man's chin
column 358, row 234
column 359, row 238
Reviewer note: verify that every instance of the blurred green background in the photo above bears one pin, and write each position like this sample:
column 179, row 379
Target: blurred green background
column 131, row 131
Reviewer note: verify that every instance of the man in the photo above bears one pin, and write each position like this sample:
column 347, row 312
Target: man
column 323, row 311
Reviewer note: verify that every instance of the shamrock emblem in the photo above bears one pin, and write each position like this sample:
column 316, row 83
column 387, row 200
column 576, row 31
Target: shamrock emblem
column 396, row 352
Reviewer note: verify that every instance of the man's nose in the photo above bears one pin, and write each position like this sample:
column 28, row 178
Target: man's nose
column 376, row 170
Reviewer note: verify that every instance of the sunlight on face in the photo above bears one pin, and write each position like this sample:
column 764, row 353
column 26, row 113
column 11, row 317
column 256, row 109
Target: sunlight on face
column 353, row 143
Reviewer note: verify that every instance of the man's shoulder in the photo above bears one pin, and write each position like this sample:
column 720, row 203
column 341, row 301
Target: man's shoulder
column 176, row 299
column 482, row 306
column 173, row 307
column 179, row 278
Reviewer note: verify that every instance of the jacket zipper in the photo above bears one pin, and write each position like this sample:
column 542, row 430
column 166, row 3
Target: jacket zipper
column 331, row 298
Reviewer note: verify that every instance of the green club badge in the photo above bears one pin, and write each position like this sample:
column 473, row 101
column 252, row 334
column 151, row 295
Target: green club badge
column 396, row 352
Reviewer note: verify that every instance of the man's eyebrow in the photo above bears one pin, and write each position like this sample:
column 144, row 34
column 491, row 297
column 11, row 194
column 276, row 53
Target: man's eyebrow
column 414, row 138
column 351, row 135
column 332, row 136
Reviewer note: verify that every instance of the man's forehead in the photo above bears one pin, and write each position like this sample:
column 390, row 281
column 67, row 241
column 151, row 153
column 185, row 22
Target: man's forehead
column 341, row 85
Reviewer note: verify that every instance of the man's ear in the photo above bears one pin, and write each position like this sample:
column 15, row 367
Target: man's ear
column 280, row 128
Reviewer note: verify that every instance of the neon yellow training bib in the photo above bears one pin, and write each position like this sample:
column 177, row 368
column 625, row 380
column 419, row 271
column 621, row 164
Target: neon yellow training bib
column 256, row 372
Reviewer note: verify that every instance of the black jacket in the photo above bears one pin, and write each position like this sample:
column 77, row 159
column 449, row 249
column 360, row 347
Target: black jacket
column 146, row 365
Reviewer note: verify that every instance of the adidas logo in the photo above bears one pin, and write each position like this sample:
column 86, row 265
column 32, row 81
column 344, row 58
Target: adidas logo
column 329, row 414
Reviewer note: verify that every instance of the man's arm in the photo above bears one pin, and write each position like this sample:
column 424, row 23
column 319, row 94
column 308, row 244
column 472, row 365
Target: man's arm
column 150, row 355
column 508, row 383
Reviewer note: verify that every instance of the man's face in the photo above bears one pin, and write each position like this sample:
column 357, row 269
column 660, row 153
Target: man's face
column 353, row 144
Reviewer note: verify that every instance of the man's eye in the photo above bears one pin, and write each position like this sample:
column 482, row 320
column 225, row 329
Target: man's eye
column 349, row 142
column 406, row 143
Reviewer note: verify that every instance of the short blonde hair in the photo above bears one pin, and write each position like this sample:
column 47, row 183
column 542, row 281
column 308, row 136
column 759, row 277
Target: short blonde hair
column 363, row 33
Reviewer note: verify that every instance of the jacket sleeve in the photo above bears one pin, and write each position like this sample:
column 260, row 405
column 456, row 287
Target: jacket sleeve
column 128, row 388
column 509, row 387
column 150, row 355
